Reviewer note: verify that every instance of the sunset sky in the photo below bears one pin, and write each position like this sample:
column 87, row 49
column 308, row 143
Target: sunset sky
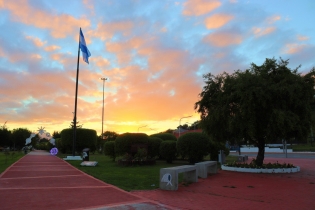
column 153, row 52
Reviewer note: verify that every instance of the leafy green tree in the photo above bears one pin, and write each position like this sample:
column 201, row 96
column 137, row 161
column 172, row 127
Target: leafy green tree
column 56, row 134
column 19, row 135
column 164, row 136
column 85, row 138
column 154, row 146
column 259, row 104
column 109, row 149
column 5, row 137
column 126, row 142
column 168, row 150
column 193, row 145
column 107, row 136
column 110, row 135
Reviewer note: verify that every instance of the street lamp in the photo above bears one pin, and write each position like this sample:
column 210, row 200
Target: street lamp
column 103, row 78
column 142, row 127
column 179, row 124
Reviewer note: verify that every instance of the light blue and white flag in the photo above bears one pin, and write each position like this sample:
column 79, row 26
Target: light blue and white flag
column 85, row 51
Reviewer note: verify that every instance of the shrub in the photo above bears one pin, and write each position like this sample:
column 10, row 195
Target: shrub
column 85, row 138
column 214, row 149
column 125, row 142
column 168, row 150
column 141, row 154
column 165, row 136
column 109, row 149
column 193, row 145
column 154, row 147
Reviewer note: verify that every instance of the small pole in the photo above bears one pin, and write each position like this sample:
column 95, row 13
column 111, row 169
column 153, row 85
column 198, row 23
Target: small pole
column 312, row 137
column 286, row 151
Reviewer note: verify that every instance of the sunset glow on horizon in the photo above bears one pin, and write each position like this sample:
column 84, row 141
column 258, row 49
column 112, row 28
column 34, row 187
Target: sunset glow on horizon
column 153, row 53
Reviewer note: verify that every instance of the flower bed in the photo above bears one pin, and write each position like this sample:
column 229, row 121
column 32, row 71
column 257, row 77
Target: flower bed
column 265, row 168
column 261, row 170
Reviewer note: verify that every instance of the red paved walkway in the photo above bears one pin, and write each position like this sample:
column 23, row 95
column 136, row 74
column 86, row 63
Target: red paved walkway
column 234, row 190
column 41, row 181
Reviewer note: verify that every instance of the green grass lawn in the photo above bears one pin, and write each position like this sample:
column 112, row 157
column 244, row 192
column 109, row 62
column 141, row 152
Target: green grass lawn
column 7, row 159
column 131, row 177
column 303, row 148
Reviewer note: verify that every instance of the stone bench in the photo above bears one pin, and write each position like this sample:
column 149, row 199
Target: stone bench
column 169, row 176
column 203, row 168
column 242, row 158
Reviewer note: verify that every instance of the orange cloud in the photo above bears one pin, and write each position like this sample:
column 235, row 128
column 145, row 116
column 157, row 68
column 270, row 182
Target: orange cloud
column 200, row 7
column 52, row 48
column 262, row 32
column 107, row 30
column 302, row 38
column 273, row 19
column 293, row 48
column 100, row 61
column 60, row 25
column 217, row 20
column 36, row 41
column 223, row 39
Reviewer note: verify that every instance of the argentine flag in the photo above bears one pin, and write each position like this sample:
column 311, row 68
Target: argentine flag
column 85, row 51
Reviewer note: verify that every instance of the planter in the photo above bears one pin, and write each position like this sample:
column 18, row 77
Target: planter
column 261, row 170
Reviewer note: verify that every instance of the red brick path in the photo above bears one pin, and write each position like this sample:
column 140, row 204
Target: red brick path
column 42, row 181
column 234, row 190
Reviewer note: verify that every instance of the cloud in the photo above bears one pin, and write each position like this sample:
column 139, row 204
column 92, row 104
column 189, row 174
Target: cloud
column 200, row 7
column 36, row 41
column 263, row 31
column 217, row 20
column 273, row 19
column 60, row 25
column 106, row 31
column 302, row 38
column 293, row 48
column 52, row 48
column 223, row 39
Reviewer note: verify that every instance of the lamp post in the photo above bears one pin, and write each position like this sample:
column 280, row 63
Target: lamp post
column 142, row 127
column 103, row 78
column 179, row 124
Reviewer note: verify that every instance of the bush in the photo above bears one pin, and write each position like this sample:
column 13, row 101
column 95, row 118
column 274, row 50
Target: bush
column 109, row 149
column 165, row 136
column 45, row 145
column 168, row 150
column 125, row 142
column 193, row 145
column 154, row 147
column 214, row 149
column 85, row 138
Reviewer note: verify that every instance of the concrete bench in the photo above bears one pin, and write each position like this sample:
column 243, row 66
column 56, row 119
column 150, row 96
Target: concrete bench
column 203, row 168
column 169, row 176
column 242, row 158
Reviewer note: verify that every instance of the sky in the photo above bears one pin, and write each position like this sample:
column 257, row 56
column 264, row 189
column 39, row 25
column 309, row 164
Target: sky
column 153, row 52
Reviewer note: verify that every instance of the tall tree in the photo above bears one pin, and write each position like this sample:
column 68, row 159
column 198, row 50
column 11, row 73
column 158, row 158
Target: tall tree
column 5, row 137
column 19, row 135
column 259, row 104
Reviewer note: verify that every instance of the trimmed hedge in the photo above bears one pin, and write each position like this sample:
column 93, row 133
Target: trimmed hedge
column 85, row 138
column 193, row 145
column 168, row 150
column 214, row 148
column 124, row 142
column 154, row 147
column 109, row 149
column 165, row 136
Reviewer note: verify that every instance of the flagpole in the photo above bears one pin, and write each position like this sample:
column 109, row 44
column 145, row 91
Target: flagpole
column 75, row 104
